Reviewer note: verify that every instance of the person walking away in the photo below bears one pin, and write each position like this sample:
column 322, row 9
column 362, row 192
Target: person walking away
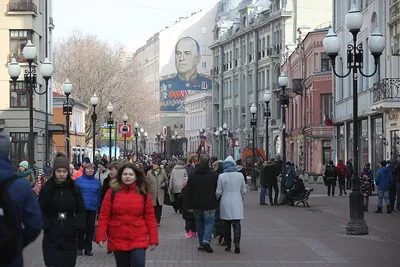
column 79, row 172
column 26, row 173
column 367, row 181
column 127, row 220
column 397, row 179
column 342, row 173
column 187, row 215
column 231, row 188
column 158, row 181
column 383, row 180
column 21, row 219
column 392, row 191
column 241, row 169
column 350, row 171
column 218, row 167
column 90, row 190
column 270, row 176
column 102, row 172
column 63, row 212
column 202, row 184
column 263, row 184
column 331, row 177
column 178, row 175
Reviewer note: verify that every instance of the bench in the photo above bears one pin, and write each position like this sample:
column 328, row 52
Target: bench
column 303, row 199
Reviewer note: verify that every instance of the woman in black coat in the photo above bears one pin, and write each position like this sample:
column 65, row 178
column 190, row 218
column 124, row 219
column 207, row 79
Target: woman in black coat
column 219, row 224
column 63, row 214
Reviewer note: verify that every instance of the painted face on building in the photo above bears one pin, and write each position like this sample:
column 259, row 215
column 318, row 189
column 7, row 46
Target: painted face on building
column 187, row 57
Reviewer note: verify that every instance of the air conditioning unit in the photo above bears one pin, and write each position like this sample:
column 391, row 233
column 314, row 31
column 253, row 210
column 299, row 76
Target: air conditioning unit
column 395, row 50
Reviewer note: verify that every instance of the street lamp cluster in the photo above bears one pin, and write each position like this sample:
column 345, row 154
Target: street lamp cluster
column 30, row 82
column 376, row 44
column 176, row 139
column 222, row 133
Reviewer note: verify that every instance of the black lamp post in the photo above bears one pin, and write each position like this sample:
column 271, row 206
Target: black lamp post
column 376, row 43
column 46, row 70
column 67, row 108
column 94, row 100
column 30, row 83
column 224, row 135
column 164, row 146
column 253, row 123
column 283, row 82
column 110, row 122
column 267, row 113
column 136, row 126
column 158, row 139
column 125, row 132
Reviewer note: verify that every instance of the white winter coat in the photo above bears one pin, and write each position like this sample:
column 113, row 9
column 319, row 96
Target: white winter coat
column 231, row 188
column 178, row 175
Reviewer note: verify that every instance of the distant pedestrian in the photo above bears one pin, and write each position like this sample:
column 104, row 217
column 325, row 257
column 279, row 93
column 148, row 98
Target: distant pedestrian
column 269, row 179
column 127, row 220
column 21, row 221
column 367, row 181
column 330, row 176
column 231, row 189
column 63, row 211
column 187, row 214
column 350, row 172
column 178, row 175
column 383, row 180
column 342, row 173
column 158, row 181
column 202, row 185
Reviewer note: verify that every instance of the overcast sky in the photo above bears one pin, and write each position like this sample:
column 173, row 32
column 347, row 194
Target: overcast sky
column 130, row 22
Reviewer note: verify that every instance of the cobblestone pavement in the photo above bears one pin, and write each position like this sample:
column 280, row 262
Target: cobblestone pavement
column 273, row 236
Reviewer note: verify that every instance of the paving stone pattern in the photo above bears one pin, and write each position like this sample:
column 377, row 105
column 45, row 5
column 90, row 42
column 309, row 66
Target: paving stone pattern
column 273, row 236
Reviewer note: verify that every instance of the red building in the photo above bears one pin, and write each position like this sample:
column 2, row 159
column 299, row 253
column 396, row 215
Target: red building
column 309, row 131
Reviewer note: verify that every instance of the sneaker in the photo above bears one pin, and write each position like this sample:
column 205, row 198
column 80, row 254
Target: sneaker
column 189, row 234
column 201, row 248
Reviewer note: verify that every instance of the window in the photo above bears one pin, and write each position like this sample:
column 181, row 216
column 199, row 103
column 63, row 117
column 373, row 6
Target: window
column 326, row 106
column 204, row 49
column 203, row 29
column 17, row 98
column 325, row 64
column 18, row 40
column 19, row 147
column 203, row 65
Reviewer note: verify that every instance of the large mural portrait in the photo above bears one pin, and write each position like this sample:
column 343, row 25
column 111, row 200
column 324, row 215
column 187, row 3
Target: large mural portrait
column 187, row 80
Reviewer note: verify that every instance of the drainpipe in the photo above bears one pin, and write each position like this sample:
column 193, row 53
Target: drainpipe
column 46, row 34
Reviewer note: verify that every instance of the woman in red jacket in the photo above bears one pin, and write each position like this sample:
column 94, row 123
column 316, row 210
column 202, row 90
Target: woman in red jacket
column 127, row 218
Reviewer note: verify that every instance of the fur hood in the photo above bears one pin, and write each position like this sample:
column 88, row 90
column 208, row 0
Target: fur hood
column 179, row 167
column 114, row 184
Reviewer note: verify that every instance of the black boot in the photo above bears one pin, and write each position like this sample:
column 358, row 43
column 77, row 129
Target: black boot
column 237, row 233
column 80, row 252
column 366, row 208
column 389, row 209
column 379, row 210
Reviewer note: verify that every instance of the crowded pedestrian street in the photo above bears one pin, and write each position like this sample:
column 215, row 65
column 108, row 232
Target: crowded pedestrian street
column 271, row 236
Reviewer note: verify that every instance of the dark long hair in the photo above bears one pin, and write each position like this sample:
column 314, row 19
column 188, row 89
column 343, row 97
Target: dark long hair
column 51, row 182
column 141, row 181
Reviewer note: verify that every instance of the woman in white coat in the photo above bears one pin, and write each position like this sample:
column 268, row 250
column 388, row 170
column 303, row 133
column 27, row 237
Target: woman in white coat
column 178, row 176
column 231, row 188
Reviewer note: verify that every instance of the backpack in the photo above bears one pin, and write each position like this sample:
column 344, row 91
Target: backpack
column 113, row 192
column 342, row 172
column 9, row 230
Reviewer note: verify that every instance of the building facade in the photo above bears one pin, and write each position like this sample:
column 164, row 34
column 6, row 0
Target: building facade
column 308, row 137
column 22, row 21
column 198, row 116
column 378, row 104
column 251, row 41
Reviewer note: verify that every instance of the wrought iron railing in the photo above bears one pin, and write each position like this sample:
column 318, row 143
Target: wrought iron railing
column 22, row 5
column 388, row 88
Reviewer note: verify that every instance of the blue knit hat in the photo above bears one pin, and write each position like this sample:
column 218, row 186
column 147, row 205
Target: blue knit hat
column 4, row 146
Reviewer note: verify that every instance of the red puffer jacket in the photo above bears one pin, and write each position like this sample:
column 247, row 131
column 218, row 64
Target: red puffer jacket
column 126, row 225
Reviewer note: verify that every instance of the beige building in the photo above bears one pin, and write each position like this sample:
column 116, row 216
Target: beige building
column 251, row 42
column 23, row 20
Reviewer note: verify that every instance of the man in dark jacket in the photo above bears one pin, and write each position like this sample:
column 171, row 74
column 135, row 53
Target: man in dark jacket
column 240, row 169
column 24, row 206
column 350, row 171
column 202, row 185
column 384, row 180
column 268, row 179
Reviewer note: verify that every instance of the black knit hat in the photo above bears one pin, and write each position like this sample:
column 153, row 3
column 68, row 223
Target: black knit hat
column 60, row 161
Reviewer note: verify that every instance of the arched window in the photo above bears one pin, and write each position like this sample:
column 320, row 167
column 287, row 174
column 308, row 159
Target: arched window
column 374, row 22
column 244, row 21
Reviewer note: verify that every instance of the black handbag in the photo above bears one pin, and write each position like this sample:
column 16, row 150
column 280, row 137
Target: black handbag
column 168, row 198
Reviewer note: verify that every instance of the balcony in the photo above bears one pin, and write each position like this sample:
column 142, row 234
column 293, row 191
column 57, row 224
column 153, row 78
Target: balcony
column 394, row 13
column 51, row 23
column 18, row 6
column 386, row 94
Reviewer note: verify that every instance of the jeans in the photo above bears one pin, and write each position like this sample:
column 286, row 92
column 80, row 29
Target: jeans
column 276, row 189
column 383, row 195
column 263, row 192
column 132, row 258
column 331, row 184
column 205, row 220
column 177, row 202
column 398, row 196
column 85, row 236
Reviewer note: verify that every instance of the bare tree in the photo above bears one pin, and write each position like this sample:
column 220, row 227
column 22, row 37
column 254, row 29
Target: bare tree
column 96, row 67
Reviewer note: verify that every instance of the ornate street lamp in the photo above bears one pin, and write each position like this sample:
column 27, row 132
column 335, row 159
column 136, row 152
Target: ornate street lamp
column 283, row 82
column 267, row 98
column 110, row 122
column 94, row 100
column 136, row 126
column 253, row 123
column 30, row 83
column 376, row 44
column 47, row 69
column 67, row 107
column 125, row 132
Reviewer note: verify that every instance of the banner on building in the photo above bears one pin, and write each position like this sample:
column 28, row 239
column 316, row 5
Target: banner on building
column 121, row 132
column 105, row 133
